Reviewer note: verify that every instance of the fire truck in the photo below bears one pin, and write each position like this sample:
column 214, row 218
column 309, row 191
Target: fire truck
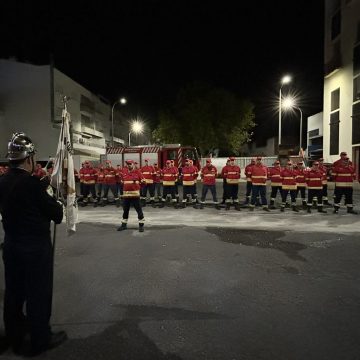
column 154, row 153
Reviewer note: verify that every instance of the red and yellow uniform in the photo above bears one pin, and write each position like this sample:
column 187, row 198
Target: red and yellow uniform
column 314, row 178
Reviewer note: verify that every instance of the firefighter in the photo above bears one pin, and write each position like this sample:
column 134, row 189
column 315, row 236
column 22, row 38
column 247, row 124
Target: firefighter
column 274, row 175
column 300, row 175
column 324, row 170
column 132, row 179
column 157, row 182
column 189, row 175
column 208, row 178
column 148, row 172
column 314, row 184
column 196, row 175
column 177, row 196
column 288, row 180
column 39, row 171
column 344, row 176
column 343, row 156
column 119, row 187
column 248, row 181
column 110, row 184
column 224, row 182
column 100, row 179
column 89, row 179
column 27, row 210
column 81, row 181
column 259, row 175
column 169, row 176
column 232, row 174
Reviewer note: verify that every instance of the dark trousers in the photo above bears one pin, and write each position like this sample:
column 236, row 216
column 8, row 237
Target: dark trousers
column 158, row 189
column 256, row 191
column 224, row 190
column 325, row 191
column 126, row 207
column 168, row 190
column 119, row 188
column 274, row 191
column 28, row 280
column 248, row 190
column 99, row 188
column 314, row 193
column 113, row 189
column 284, row 194
column 146, row 188
column 189, row 192
column 89, row 189
column 232, row 191
column 301, row 189
column 81, row 189
column 205, row 189
column 348, row 194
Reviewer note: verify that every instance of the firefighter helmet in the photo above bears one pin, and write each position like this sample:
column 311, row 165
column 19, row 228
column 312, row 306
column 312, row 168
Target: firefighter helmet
column 20, row 147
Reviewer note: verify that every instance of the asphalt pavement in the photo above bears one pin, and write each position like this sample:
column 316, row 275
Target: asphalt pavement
column 208, row 284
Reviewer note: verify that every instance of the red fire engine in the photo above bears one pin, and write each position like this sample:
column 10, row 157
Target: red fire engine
column 156, row 154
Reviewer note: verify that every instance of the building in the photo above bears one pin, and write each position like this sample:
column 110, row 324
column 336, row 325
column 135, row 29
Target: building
column 341, row 112
column 315, row 136
column 31, row 100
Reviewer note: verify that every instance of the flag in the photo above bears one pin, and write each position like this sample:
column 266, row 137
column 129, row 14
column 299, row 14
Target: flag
column 63, row 176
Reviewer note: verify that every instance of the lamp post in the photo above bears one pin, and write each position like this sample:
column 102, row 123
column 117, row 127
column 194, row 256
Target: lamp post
column 136, row 127
column 121, row 101
column 285, row 80
column 289, row 103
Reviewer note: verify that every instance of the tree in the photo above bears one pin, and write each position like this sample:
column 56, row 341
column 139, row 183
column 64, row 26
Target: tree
column 208, row 118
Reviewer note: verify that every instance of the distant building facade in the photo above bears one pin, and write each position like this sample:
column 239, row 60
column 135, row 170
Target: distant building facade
column 315, row 136
column 31, row 101
column 341, row 112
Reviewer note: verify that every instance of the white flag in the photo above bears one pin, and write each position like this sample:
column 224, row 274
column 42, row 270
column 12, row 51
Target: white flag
column 63, row 176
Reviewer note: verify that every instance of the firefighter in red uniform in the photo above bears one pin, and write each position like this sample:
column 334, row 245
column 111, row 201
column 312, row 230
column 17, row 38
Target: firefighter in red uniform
column 343, row 156
column 324, row 170
column 157, row 182
column 81, row 180
column 274, row 175
column 189, row 175
column 314, row 183
column 177, row 196
column 288, row 180
column 39, row 171
column 89, row 178
column 208, row 178
column 148, row 172
column 344, row 176
column 100, row 179
column 231, row 173
column 119, row 187
column 132, row 179
column 110, row 184
column 196, row 174
column 248, row 181
column 259, row 175
column 224, row 197
column 169, row 176
column 300, row 175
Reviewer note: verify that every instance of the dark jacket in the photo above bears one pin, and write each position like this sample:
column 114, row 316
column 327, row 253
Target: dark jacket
column 26, row 208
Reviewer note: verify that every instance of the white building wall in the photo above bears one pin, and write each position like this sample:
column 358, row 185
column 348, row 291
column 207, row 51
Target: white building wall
column 25, row 106
column 343, row 77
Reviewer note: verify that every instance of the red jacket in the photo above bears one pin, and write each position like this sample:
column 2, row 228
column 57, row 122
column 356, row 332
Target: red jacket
column 275, row 176
column 300, row 176
column 248, row 171
column 169, row 176
column 231, row 174
column 100, row 176
column 157, row 175
column 208, row 175
column 344, row 175
column 132, row 181
column 88, row 175
column 259, row 174
column 148, row 172
column 314, row 179
column 288, row 179
column 110, row 175
column 189, row 175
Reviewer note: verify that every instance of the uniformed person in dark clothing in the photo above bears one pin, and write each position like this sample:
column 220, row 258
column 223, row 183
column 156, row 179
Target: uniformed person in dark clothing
column 27, row 210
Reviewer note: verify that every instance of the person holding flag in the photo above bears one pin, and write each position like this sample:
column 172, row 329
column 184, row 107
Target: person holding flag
column 27, row 210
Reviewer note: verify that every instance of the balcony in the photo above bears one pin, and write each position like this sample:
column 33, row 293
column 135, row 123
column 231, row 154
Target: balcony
column 89, row 131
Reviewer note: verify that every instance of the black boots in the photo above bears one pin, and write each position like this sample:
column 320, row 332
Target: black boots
column 122, row 227
column 321, row 210
column 309, row 209
column 294, row 208
column 141, row 227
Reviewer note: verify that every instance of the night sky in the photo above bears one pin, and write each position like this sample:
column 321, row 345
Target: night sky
column 147, row 50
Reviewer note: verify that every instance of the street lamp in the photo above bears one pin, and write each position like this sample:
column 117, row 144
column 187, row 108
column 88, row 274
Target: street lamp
column 121, row 101
column 136, row 127
column 289, row 103
column 285, row 80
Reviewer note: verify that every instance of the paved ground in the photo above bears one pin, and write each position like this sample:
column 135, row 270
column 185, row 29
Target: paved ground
column 208, row 284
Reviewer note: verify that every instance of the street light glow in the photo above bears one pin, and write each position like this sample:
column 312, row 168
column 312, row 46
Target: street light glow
column 286, row 79
column 288, row 103
column 123, row 101
column 137, row 127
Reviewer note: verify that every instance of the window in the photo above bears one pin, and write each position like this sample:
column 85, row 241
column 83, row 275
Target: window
column 356, row 88
column 357, row 60
column 335, row 99
column 336, row 25
column 172, row 154
column 86, row 120
column 334, row 133
column 313, row 133
column 356, row 124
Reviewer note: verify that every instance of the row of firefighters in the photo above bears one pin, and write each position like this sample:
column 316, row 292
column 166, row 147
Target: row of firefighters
column 290, row 180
